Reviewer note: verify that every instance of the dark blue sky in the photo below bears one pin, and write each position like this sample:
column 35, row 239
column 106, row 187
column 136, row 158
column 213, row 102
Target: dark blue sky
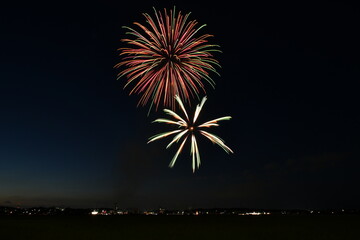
column 71, row 136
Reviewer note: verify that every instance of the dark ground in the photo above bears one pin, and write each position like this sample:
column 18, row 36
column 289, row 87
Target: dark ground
column 180, row 227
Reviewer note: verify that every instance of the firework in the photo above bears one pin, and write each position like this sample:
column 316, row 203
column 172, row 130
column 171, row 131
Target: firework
column 188, row 129
column 166, row 58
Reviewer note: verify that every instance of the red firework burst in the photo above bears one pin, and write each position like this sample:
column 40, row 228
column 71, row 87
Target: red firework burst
column 167, row 59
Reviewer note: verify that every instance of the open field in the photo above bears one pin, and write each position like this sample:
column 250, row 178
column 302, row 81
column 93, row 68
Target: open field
column 179, row 227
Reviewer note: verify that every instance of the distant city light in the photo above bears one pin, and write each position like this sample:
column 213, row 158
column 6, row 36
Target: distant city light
column 254, row 213
column 164, row 212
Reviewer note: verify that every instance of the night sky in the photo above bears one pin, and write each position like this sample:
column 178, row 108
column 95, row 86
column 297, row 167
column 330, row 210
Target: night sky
column 70, row 135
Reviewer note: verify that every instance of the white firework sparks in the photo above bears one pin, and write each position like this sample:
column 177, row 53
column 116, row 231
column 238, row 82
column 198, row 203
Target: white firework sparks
column 187, row 130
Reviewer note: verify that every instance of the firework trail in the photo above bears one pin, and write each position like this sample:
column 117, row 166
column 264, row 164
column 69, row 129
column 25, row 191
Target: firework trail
column 188, row 128
column 167, row 58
